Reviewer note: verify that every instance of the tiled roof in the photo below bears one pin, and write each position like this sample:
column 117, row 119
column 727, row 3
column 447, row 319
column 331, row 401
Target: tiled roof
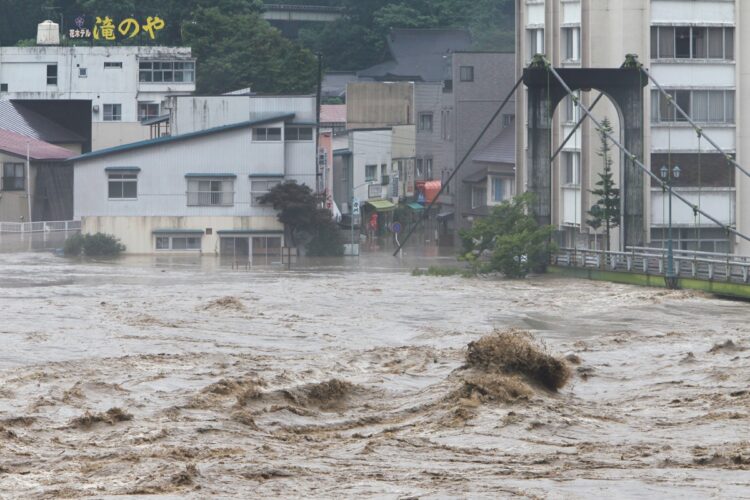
column 181, row 137
column 16, row 144
column 333, row 113
column 17, row 118
column 502, row 149
column 419, row 54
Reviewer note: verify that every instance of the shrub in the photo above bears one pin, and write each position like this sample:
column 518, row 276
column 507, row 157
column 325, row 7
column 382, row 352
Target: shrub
column 73, row 245
column 93, row 245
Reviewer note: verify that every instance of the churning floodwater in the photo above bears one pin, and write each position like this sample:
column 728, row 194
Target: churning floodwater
column 182, row 377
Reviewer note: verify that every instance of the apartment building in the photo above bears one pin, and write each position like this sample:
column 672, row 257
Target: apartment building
column 693, row 48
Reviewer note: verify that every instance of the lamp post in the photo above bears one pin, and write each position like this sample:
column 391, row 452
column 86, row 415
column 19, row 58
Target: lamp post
column 670, row 279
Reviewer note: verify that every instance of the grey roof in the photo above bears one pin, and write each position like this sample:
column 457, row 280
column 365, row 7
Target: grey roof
column 17, row 118
column 502, row 149
column 419, row 55
column 334, row 83
column 181, row 137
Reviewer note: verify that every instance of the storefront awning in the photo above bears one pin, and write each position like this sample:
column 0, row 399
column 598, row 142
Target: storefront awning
column 415, row 206
column 382, row 205
column 431, row 190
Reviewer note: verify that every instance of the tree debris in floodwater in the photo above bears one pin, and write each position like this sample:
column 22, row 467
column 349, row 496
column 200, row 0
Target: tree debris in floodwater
column 225, row 304
column 515, row 352
column 111, row 417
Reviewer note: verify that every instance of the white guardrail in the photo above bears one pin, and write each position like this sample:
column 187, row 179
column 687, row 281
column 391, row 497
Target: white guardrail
column 40, row 227
column 687, row 264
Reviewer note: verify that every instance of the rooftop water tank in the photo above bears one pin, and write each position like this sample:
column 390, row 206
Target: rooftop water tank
column 48, row 33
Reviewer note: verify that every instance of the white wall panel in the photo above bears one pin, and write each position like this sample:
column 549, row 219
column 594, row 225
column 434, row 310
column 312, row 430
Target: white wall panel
column 684, row 138
column 694, row 75
column 692, row 11
column 718, row 203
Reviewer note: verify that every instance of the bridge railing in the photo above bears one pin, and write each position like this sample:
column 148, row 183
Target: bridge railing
column 687, row 263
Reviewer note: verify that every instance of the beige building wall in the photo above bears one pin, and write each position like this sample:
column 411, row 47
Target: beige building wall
column 742, row 112
column 14, row 204
column 136, row 233
column 379, row 104
column 110, row 134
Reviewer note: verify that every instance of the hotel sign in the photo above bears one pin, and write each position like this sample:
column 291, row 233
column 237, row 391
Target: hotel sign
column 105, row 28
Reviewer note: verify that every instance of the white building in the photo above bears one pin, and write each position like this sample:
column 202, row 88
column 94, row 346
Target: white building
column 113, row 88
column 694, row 49
column 198, row 191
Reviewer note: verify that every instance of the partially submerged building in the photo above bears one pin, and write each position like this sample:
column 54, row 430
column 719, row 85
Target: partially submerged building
column 199, row 190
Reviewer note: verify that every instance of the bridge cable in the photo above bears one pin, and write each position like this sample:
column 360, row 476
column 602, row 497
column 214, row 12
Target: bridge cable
column 426, row 212
column 634, row 159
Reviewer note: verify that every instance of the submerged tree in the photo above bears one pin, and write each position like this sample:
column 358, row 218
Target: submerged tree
column 606, row 211
column 304, row 222
column 515, row 241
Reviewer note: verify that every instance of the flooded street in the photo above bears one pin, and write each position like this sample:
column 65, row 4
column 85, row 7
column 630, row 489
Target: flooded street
column 187, row 379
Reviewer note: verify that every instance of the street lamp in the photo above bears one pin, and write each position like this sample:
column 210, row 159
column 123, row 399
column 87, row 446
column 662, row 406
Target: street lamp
column 670, row 279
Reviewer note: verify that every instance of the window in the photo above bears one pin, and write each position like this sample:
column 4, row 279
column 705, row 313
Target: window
column 371, row 173
column 428, row 168
column 535, row 42
column 178, row 242
column 210, row 192
column 166, row 71
column 14, row 177
column 113, row 65
column 147, row 110
column 478, row 195
column 3, row 87
column 52, row 74
column 123, row 186
column 420, row 168
column 82, row 72
column 696, row 42
column 571, row 166
column 498, row 189
column 425, row 122
column 572, row 111
column 298, row 134
column 705, row 106
column 112, row 112
column 571, row 44
column 260, row 187
column 267, row 134
column 508, row 119
column 466, row 73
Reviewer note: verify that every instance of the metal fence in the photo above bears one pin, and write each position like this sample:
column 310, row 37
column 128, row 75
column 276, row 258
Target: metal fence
column 40, row 227
column 210, row 198
column 687, row 264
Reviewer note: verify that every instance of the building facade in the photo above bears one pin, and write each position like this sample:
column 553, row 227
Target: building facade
column 101, row 92
column 693, row 48
column 198, row 191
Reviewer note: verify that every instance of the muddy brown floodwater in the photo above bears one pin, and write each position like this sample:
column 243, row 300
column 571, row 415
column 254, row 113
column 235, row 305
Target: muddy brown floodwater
column 186, row 379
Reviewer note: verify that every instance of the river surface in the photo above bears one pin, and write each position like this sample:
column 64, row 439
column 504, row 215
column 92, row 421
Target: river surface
column 211, row 375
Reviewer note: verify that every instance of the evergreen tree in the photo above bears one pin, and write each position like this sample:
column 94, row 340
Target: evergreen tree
column 606, row 211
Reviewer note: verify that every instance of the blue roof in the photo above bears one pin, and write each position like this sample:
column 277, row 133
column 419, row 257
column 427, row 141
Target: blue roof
column 181, row 137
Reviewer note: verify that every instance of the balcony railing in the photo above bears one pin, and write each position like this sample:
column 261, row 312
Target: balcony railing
column 210, row 198
column 40, row 227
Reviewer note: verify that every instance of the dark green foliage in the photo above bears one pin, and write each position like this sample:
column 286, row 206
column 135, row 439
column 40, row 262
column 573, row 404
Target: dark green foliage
column 247, row 52
column 93, row 245
column 606, row 210
column 305, row 222
column 515, row 242
column 73, row 245
column 325, row 236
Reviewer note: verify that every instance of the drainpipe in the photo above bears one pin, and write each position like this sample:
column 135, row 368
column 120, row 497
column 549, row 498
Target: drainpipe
column 28, row 181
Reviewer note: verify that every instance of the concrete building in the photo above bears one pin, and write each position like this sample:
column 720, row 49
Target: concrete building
column 694, row 49
column 199, row 190
column 100, row 92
